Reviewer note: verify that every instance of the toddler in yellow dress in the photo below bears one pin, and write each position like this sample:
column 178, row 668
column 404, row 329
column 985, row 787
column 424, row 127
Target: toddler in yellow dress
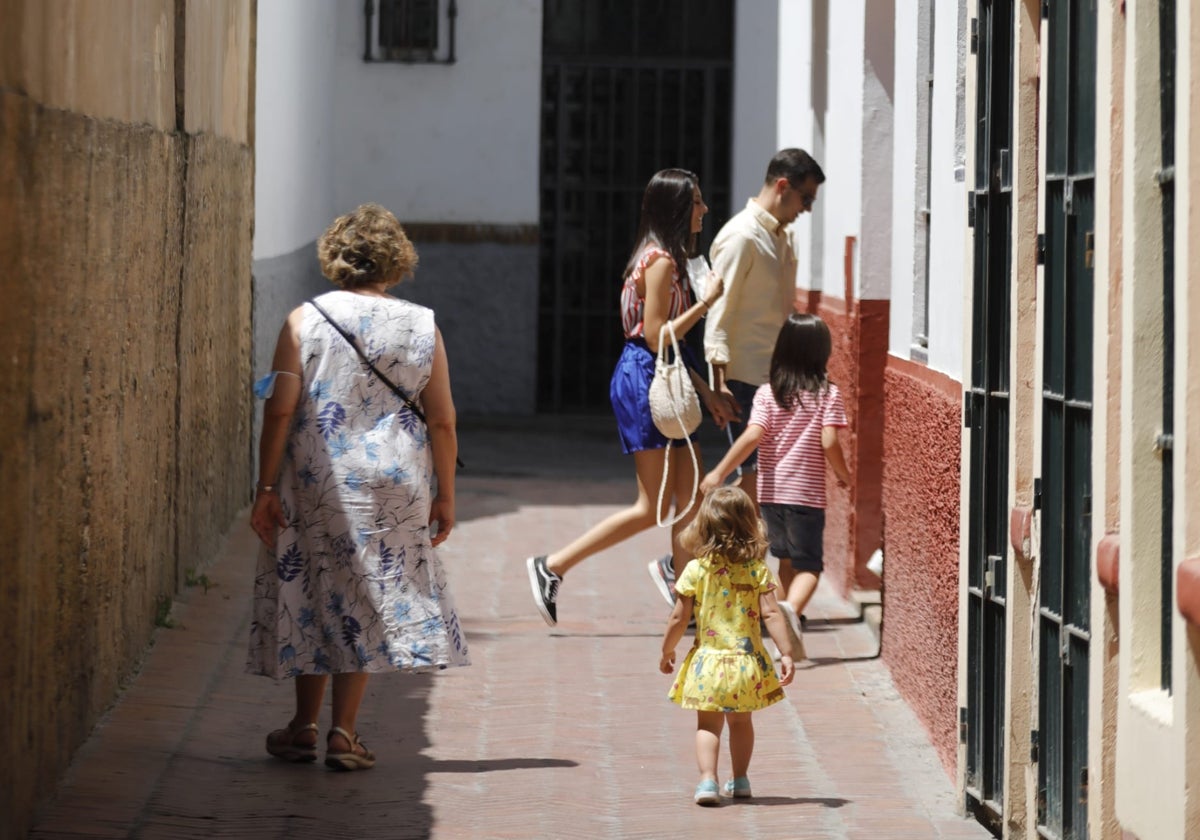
column 727, row 674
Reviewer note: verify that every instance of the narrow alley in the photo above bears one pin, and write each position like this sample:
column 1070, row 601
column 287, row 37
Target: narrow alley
column 552, row 733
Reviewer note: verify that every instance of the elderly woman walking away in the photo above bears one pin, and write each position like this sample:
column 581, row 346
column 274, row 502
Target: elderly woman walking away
column 348, row 583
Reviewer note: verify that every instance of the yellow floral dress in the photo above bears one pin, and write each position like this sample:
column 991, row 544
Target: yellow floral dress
column 727, row 669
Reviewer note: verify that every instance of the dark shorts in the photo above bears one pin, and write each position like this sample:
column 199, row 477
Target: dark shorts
column 743, row 392
column 797, row 533
column 629, row 392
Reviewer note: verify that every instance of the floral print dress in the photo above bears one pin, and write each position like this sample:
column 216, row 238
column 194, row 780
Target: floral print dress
column 727, row 669
column 353, row 584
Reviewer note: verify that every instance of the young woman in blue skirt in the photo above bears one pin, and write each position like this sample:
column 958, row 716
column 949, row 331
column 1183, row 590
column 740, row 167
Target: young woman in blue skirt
column 654, row 292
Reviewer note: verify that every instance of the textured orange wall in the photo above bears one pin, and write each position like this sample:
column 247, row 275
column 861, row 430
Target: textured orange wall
column 922, row 445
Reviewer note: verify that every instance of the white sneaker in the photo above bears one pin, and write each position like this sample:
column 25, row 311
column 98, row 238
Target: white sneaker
column 797, row 634
column 662, row 572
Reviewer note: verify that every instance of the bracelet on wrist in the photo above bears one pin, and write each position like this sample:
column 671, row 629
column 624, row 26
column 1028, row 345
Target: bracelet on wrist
column 265, row 488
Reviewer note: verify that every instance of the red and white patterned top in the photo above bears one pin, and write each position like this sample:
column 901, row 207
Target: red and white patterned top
column 633, row 306
column 791, row 460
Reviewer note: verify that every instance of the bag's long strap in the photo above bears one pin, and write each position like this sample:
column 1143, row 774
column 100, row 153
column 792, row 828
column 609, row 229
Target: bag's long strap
column 662, row 350
column 395, row 389
column 662, row 490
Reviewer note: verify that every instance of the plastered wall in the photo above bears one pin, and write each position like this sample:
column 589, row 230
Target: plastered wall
column 921, row 545
column 125, row 346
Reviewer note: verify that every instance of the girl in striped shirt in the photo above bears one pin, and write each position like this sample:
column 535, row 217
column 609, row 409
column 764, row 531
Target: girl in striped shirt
column 793, row 423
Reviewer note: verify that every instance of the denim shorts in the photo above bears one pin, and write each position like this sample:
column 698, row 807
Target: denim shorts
column 743, row 392
column 797, row 533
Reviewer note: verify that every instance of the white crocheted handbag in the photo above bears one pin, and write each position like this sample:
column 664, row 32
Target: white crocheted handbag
column 675, row 410
column 674, row 406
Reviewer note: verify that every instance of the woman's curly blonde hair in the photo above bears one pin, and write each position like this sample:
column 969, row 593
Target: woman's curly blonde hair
column 366, row 247
column 727, row 526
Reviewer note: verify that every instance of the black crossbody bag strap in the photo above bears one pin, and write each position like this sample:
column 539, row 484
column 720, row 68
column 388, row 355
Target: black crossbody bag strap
column 412, row 406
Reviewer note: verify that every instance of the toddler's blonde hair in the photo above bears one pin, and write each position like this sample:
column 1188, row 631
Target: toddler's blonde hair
column 728, row 526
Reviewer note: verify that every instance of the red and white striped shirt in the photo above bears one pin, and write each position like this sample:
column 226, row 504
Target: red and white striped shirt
column 633, row 305
column 791, row 460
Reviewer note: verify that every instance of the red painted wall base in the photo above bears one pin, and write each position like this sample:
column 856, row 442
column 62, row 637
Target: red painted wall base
column 921, row 482
column 854, row 516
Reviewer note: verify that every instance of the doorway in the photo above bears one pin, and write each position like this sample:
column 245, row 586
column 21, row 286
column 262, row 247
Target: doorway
column 629, row 87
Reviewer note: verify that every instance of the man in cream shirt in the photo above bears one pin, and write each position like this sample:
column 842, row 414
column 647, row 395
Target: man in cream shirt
column 754, row 255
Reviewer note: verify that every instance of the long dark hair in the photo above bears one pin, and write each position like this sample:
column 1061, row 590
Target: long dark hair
column 799, row 359
column 666, row 217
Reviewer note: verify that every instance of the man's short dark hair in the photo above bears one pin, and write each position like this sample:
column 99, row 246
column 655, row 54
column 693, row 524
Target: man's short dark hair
column 796, row 165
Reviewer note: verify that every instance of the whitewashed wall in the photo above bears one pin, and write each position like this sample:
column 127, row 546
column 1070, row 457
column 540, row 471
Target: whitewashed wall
column 293, row 163
column 874, row 264
column 948, row 193
column 756, row 79
column 294, row 174
column 796, row 120
column 436, row 144
column 841, row 196
column 907, row 174
column 948, row 188
column 443, row 143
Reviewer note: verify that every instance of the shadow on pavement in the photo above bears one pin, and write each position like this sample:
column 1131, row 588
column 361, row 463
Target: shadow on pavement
column 823, row 661
column 824, row 625
column 492, row 764
column 828, row 802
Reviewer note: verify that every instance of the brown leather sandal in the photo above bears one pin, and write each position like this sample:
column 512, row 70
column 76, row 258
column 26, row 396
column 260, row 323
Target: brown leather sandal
column 282, row 743
column 352, row 760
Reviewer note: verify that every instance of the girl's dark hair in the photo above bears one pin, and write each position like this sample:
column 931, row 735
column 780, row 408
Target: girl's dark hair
column 727, row 526
column 798, row 362
column 666, row 217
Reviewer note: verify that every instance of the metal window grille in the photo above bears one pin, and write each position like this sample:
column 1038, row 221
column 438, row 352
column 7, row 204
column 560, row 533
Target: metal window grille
column 409, row 31
column 1166, row 181
column 987, row 410
column 628, row 87
column 1065, row 573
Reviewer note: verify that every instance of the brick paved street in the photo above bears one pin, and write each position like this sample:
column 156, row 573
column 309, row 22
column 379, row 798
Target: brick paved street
column 552, row 733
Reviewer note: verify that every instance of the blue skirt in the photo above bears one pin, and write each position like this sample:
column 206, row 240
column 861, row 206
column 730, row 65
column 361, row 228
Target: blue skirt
column 630, row 395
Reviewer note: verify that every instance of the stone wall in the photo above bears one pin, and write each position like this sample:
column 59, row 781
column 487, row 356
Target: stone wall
column 125, row 346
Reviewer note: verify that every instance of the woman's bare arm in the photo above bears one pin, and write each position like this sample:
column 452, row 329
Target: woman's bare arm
column 438, row 405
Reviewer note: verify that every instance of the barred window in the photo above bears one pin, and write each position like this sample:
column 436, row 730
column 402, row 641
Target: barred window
column 410, row 31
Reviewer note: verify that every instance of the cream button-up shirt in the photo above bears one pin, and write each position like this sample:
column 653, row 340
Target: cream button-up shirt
column 753, row 253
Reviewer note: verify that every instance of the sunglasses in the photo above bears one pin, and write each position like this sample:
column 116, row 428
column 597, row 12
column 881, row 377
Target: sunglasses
column 807, row 199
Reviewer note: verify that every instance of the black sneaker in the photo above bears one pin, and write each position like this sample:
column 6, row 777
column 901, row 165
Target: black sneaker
column 544, row 584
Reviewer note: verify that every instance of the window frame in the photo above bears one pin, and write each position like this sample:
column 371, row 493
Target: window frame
column 442, row 18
